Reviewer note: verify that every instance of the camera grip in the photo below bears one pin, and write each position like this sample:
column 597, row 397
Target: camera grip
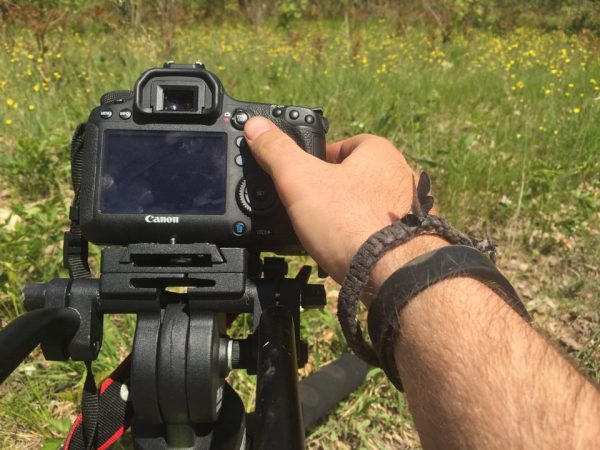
column 309, row 136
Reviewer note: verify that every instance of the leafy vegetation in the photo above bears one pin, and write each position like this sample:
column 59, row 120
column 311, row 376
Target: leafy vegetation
column 504, row 119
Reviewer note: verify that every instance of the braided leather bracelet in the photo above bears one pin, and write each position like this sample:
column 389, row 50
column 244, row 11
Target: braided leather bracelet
column 414, row 224
column 417, row 275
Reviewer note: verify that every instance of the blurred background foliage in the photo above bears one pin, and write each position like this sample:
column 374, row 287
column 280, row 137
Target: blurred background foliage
column 498, row 100
column 445, row 16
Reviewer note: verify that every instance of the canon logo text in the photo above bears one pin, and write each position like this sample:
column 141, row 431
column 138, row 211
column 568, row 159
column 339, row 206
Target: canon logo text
column 161, row 219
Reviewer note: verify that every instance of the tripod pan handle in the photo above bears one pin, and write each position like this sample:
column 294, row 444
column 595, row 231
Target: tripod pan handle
column 22, row 335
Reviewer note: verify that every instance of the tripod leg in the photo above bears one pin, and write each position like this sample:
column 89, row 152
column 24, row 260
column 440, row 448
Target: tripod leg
column 322, row 391
column 278, row 412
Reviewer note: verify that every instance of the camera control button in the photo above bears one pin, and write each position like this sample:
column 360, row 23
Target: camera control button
column 256, row 196
column 125, row 114
column 294, row 114
column 239, row 119
column 262, row 196
column 240, row 160
column 239, row 228
column 277, row 112
column 309, row 119
column 260, row 193
column 106, row 114
column 240, row 141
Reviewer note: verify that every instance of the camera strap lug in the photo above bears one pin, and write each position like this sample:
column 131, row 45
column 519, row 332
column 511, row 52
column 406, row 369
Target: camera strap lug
column 75, row 253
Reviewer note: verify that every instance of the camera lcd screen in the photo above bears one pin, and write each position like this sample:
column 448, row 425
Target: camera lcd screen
column 163, row 172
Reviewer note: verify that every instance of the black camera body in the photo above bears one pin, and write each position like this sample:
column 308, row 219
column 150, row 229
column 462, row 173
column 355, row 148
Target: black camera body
column 169, row 163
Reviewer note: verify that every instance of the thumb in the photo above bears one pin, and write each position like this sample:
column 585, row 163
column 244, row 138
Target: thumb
column 275, row 151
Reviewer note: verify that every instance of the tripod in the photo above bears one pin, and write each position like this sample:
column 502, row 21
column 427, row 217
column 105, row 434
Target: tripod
column 181, row 352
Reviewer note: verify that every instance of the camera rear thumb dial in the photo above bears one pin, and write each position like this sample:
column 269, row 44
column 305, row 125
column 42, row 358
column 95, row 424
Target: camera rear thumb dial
column 257, row 197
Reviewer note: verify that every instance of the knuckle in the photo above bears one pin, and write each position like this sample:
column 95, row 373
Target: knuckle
column 376, row 141
column 372, row 139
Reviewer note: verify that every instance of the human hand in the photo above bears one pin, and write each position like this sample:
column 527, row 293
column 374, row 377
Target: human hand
column 365, row 185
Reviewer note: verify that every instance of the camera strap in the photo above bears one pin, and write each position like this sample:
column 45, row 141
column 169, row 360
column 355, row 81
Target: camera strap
column 75, row 246
column 106, row 413
column 75, row 258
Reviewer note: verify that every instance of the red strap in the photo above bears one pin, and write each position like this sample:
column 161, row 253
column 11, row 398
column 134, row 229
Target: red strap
column 114, row 412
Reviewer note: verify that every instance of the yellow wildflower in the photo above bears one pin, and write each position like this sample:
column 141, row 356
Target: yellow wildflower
column 10, row 101
column 576, row 110
column 31, row 107
column 8, row 121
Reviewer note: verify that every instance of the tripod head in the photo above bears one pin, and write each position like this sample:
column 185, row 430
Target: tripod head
column 184, row 295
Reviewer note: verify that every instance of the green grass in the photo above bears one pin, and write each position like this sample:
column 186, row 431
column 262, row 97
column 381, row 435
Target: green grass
column 506, row 125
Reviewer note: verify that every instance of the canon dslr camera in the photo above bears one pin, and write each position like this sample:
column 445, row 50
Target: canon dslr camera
column 168, row 163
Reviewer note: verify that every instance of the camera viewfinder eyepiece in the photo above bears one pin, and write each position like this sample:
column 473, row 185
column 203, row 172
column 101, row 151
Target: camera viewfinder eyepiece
column 177, row 98
column 178, row 92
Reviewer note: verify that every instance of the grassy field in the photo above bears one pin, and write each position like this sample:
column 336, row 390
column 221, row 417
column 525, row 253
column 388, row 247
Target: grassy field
column 506, row 125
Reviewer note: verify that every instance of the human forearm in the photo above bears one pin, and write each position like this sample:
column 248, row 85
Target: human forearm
column 477, row 376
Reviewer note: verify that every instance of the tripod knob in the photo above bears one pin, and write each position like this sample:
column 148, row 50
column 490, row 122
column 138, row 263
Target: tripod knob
column 33, row 296
column 46, row 295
